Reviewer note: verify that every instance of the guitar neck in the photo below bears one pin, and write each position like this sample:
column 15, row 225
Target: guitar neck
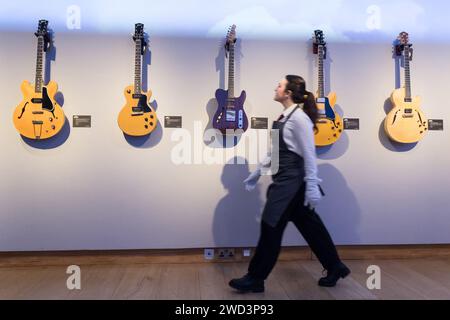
column 408, row 96
column 231, row 73
column 321, row 53
column 138, row 67
column 39, row 81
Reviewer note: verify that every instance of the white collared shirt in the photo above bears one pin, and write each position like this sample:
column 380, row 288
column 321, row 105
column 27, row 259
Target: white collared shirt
column 298, row 134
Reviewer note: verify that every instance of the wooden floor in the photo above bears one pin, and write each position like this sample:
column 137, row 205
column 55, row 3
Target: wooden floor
column 400, row 279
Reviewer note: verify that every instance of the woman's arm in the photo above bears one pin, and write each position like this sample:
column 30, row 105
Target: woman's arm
column 304, row 135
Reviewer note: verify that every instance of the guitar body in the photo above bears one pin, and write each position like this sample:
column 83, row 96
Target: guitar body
column 230, row 115
column 137, row 117
column 405, row 123
column 39, row 116
column 330, row 125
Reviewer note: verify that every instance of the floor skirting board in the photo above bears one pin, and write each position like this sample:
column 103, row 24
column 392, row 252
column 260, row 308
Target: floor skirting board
column 189, row 256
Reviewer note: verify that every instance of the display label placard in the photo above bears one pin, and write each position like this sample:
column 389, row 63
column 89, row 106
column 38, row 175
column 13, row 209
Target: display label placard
column 436, row 125
column 173, row 121
column 81, row 121
column 351, row 124
column 260, row 123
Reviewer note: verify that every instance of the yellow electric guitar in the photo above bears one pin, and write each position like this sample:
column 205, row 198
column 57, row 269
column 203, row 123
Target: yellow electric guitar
column 405, row 123
column 329, row 123
column 137, row 117
column 39, row 116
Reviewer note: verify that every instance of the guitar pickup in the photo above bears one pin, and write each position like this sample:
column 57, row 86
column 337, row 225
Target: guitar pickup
column 321, row 100
column 137, row 96
column 36, row 100
column 38, row 112
column 137, row 109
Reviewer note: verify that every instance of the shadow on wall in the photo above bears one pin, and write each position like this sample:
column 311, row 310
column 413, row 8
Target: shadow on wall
column 213, row 138
column 339, row 208
column 237, row 215
column 386, row 141
column 63, row 135
column 154, row 138
column 388, row 105
column 146, row 63
column 53, row 142
column 336, row 150
column 148, row 141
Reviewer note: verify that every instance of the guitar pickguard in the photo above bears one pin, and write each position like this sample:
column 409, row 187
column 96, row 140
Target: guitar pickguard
column 329, row 112
column 47, row 104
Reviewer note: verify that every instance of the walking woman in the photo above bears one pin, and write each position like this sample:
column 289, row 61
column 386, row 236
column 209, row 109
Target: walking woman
column 294, row 193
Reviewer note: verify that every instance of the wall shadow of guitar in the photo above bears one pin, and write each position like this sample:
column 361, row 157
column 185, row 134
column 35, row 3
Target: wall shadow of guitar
column 212, row 137
column 155, row 137
column 383, row 137
column 63, row 135
column 337, row 149
column 52, row 142
column 386, row 141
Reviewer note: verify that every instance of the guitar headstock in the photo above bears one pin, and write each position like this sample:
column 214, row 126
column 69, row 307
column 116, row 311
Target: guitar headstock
column 319, row 38
column 138, row 32
column 42, row 30
column 319, row 41
column 231, row 36
column 403, row 38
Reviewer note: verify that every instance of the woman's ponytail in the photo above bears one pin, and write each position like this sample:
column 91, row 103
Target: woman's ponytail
column 297, row 86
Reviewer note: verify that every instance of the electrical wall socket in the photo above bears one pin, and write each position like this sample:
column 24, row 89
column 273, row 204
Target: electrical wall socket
column 225, row 253
column 247, row 252
column 209, row 254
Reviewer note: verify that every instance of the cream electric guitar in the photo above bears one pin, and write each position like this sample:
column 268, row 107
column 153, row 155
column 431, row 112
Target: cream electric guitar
column 405, row 123
column 39, row 116
column 329, row 123
column 137, row 117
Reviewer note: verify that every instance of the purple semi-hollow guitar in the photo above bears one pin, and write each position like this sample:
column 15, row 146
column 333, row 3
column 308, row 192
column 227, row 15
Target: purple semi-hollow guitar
column 230, row 115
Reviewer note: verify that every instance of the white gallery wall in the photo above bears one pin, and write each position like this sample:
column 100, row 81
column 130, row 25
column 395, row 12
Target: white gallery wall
column 91, row 188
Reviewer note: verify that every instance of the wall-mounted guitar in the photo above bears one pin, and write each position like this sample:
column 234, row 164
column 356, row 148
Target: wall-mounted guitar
column 405, row 123
column 137, row 117
column 230, row 115
column 329, row 122
column 39, row 116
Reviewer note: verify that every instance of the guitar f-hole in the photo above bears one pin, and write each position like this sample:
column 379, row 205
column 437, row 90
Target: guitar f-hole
column 23, row 110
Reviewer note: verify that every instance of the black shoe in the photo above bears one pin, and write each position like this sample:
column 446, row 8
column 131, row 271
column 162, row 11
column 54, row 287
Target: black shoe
column 341, row 271
column 247, row 284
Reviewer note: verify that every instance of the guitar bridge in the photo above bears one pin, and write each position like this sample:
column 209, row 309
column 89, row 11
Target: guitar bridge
column 37, row 125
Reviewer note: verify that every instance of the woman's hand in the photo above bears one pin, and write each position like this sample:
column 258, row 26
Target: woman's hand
column 313, row 195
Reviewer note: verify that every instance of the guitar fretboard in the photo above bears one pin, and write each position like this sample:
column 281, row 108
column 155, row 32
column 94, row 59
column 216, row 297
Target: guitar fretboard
column 407, row 74
column 39, row 82
column 138, row 67
column 321, row 53
column 231, row 73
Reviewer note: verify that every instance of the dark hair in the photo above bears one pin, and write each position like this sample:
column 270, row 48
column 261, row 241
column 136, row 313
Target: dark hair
column 297, row 86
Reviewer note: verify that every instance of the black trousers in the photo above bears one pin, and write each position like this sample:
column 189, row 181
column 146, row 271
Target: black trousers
column 310, row 226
